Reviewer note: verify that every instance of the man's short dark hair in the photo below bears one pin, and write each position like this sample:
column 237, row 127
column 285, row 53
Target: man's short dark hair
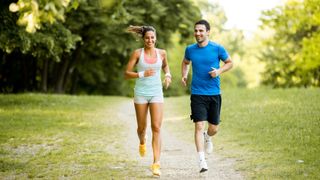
column 203, row 22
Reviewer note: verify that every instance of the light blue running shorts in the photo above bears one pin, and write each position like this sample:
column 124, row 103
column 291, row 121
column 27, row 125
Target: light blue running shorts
column 148, row 99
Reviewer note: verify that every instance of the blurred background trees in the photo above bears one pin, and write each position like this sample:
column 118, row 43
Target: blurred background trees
column 292, row 51
column 81, row 46
column 82, row 49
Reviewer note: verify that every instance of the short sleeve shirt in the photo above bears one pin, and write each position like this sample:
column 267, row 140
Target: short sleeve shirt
column 203, row 60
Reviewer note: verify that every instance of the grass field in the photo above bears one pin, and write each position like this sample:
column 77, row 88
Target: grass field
column 56, row 137
column 273, row 134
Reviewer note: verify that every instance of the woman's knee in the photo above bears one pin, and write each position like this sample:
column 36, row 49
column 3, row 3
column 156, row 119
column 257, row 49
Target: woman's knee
column 156, row 128
column 141, row 130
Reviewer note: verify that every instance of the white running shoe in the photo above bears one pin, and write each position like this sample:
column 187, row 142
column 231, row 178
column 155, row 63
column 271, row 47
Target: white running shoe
column 207, row 143
column 203, row 166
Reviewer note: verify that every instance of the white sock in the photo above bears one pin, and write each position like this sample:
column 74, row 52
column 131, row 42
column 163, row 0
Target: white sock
column 201, row 156
column 207, row 136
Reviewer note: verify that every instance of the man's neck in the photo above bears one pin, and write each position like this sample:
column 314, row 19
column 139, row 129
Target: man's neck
column 204, row 43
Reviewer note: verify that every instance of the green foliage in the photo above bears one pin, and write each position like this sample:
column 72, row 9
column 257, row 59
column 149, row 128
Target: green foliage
column 233, row 79
column 23, row 54
column 292, row 52
column 175, row 57
column 50, row 42
column 33, row 14
column 87, row 52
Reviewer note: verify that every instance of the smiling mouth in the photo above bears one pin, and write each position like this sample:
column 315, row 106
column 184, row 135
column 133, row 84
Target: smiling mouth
column 199, row 40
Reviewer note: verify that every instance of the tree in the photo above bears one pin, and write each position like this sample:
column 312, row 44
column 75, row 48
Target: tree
column 25, row 56
column 291, row 53
column 34, row 14
column 87, row 52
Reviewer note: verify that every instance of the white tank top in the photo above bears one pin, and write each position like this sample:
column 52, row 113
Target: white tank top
column 149, row 86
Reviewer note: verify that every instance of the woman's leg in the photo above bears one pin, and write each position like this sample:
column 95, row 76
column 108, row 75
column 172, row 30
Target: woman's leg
column 141, row 115
column 156, row 113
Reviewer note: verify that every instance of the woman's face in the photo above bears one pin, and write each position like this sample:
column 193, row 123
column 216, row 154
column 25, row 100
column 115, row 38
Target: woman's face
column 149, row 39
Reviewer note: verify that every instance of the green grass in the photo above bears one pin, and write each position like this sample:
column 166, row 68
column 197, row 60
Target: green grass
column 273, row 134
column 58, row 136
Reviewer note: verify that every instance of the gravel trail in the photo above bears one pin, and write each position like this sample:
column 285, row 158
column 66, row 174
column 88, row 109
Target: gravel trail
column 178, row 158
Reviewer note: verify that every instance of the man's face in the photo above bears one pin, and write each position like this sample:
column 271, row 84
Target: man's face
column 200, row 33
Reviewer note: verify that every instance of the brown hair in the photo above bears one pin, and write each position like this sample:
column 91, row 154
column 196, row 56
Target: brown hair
column 205, row 23
column 140, row 30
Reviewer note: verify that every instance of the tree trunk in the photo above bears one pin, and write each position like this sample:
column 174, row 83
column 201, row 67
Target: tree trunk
column 61, row 76
column 44, row 79
column 69, row 73
column 72, row 76
column 74, row 81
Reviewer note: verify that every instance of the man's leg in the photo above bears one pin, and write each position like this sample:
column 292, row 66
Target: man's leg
column 213, row 121
column 212, row 129
column 198, row 136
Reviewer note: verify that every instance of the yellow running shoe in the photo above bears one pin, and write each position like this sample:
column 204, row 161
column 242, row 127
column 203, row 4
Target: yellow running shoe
column 142, row 149
column 155, row 168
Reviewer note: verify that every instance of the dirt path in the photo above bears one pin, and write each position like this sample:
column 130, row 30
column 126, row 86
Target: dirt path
column 178, row 158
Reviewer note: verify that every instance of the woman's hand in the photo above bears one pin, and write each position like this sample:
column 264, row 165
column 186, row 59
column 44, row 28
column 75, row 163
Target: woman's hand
column 167, row 81
column 149, row 72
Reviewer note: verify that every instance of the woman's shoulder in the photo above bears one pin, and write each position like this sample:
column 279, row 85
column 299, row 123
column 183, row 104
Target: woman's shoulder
column 162, row 51
column 137, row 52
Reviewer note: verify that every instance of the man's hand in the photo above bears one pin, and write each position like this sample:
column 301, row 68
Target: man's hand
column 184, row 81
column 215, row 72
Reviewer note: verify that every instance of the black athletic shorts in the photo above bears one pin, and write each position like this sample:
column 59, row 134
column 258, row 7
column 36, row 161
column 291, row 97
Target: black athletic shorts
column 205, row 108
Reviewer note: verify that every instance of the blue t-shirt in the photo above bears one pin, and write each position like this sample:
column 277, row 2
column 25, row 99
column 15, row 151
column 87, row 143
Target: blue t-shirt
column 203, row 58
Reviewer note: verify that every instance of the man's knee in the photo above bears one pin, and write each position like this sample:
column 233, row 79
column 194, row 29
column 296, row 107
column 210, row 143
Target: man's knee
column 199, row 126
column 212, row 130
